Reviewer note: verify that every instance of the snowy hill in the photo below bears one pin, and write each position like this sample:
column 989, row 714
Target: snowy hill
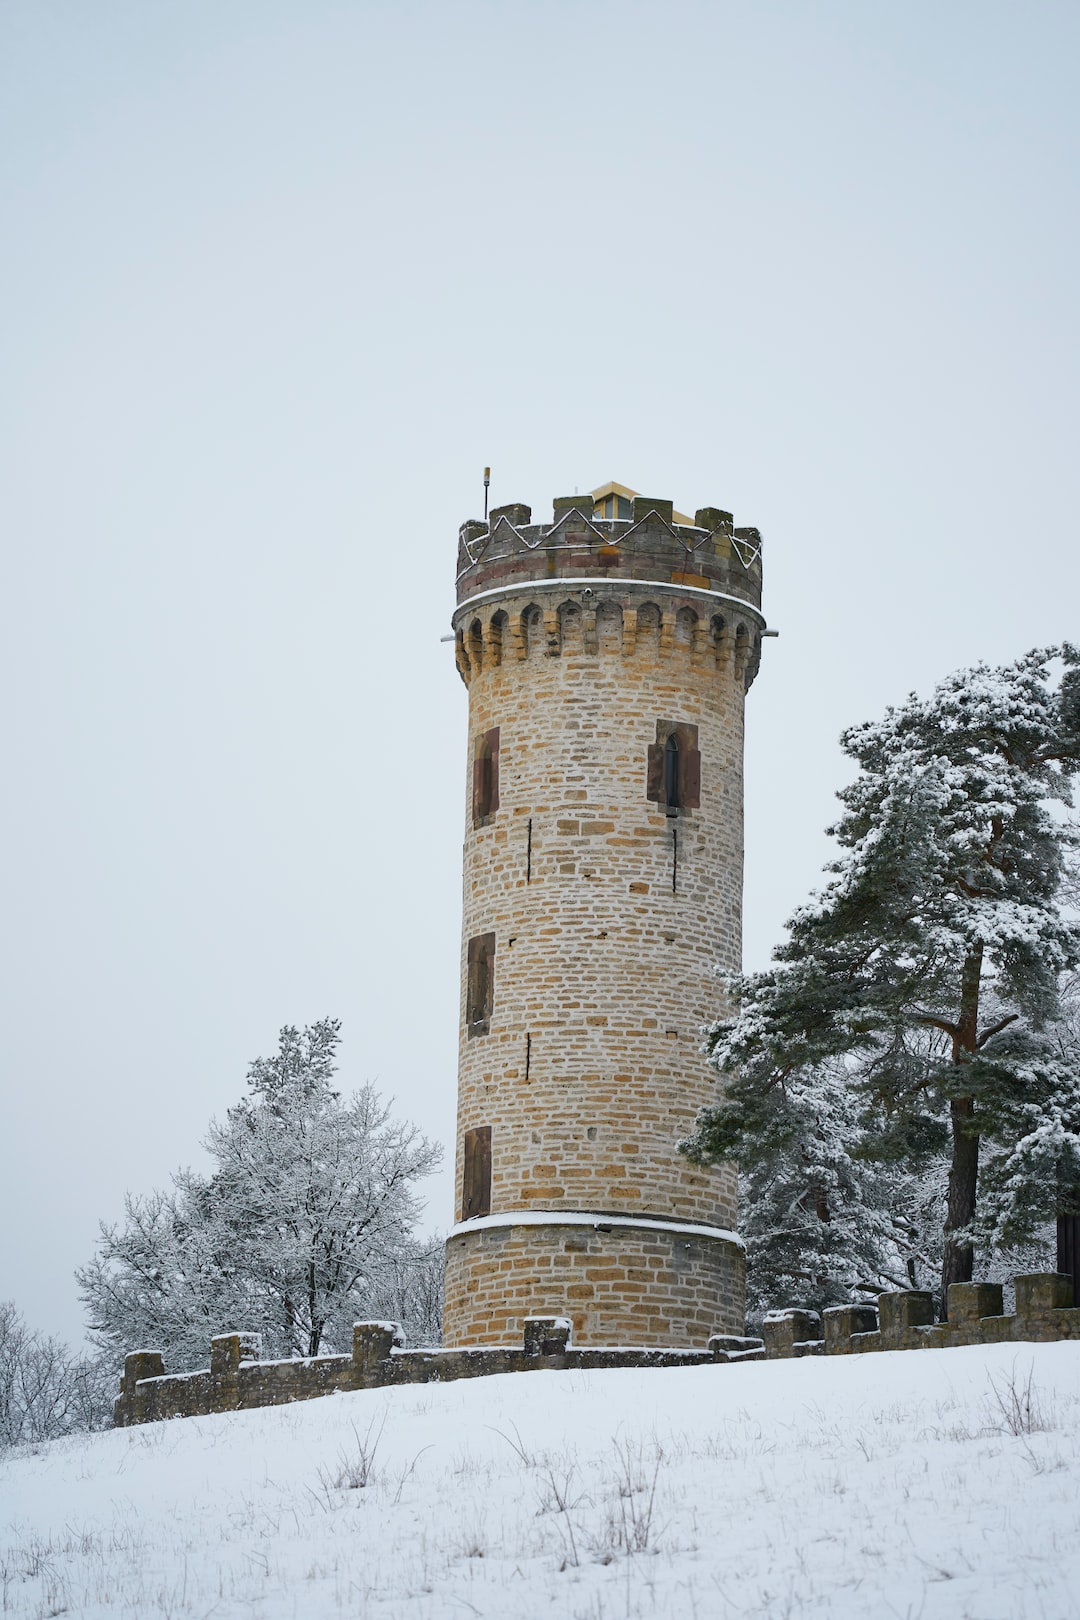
column 919, row 1485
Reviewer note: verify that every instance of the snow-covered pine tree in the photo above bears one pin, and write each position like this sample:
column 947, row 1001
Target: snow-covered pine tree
column 1031, row 1174
column 818, row 1216
column 305, row 1224
column 929, row 966
column 1068, row 1037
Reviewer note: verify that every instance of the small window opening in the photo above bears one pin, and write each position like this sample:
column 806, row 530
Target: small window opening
column 476, row 1180
column 671, row 772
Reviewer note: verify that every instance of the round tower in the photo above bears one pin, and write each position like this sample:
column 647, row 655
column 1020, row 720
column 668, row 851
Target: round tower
column 607, row 655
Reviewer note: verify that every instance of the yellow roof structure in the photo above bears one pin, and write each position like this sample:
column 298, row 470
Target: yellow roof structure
column 612, row 488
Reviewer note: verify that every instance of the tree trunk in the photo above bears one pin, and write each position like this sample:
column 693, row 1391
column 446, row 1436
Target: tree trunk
column 957, row 1262
column 314, row 1325
column 963, row 1177
column 1068, row 1249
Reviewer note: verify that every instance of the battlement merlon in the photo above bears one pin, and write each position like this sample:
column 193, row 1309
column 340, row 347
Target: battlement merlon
column 650, row 546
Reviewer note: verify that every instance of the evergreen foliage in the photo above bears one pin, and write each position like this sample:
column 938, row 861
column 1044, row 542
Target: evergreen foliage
column 305, row 1225
column 914, row 1010
column 816, row 1214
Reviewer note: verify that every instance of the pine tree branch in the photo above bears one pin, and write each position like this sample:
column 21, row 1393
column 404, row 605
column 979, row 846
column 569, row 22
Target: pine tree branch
column 952, row 1030
column 995, row 1029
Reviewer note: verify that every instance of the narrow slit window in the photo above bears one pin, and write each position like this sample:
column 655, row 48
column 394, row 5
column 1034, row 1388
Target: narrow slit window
column 476, row 1178
column 486, row 777
column 671, row 772
column 480, row 984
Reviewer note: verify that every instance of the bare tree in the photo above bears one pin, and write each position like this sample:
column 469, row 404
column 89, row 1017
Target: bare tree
column 46, row 1389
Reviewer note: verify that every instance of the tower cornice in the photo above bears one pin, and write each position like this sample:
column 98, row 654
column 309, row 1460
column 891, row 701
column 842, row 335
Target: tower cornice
column 566, row 586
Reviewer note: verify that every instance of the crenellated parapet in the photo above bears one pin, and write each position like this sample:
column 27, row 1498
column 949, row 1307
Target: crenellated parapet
column 709, row 556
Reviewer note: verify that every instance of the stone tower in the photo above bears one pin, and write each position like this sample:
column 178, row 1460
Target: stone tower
column 607, row 655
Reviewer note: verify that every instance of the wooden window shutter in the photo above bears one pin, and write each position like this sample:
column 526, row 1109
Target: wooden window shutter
column 476, row 1179
column 654, row 779
column 485, row 782
column 480, row 983
column 491, row 747
column 478, row 811
column 690, row 775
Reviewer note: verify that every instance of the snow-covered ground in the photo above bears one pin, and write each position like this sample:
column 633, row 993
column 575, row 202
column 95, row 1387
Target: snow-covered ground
column 918, row 1485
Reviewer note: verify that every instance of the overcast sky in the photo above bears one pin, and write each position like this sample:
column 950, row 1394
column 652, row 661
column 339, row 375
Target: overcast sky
column 278, row 279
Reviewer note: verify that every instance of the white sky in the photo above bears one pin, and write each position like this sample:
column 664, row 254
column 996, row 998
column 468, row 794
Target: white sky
column 277, row 281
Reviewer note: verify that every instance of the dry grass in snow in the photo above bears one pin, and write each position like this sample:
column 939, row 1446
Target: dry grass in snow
column 917, row 1485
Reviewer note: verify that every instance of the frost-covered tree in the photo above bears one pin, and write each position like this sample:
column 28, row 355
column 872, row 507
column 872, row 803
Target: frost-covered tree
column 926, row 974
column 1067, row 1034
column 305, row 1224
column 410, row 1291
column 819, row 1218
column 1032, row 1174
column 46, row 1389
column 164, row 1278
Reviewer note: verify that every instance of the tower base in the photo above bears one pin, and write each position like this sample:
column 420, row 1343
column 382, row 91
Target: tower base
column 622, row 1280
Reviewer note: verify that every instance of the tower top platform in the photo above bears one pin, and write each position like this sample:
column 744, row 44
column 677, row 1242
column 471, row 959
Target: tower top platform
column 608, row 534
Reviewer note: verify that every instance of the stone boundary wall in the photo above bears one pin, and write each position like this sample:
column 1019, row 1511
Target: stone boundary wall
column 905, row 1321
column 237, row 1380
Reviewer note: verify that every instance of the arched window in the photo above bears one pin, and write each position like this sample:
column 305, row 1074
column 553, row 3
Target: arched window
column 532, row 624
column 686, row 621
column 671, row 772
column 497, row 636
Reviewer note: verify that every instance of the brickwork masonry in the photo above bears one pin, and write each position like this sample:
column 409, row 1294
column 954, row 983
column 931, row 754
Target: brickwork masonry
column 236, row 1379
column 603, row 915
column 619, row 1280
